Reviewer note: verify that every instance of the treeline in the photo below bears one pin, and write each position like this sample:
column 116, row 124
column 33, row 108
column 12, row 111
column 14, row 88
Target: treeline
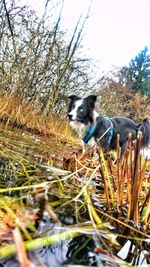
column 40, row 66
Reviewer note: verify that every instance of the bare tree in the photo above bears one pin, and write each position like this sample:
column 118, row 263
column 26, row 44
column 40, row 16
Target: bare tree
column 38, row 64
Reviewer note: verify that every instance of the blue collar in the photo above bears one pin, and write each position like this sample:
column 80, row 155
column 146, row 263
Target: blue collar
column 111, row 130
column 87, row 137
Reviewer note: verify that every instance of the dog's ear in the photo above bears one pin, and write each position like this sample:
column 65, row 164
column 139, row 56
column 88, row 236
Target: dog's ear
column 91, row 99
column 74, row 97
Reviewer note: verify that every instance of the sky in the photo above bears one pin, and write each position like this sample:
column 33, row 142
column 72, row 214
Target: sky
column 115, row 32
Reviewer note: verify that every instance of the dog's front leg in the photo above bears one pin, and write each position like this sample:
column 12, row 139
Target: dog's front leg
column 90, row 148
column 84, row 150
column 84, row 146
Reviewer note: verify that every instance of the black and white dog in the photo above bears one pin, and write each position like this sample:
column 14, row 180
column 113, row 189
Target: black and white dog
column 90, row 126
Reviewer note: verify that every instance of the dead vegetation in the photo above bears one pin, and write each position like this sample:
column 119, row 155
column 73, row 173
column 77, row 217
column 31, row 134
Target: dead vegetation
column 86, row 197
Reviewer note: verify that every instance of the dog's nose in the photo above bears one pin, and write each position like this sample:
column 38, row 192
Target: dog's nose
column 70, row 117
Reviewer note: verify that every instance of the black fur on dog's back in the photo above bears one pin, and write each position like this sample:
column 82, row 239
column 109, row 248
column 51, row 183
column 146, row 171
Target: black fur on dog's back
column 144, row 127
column 122, row 126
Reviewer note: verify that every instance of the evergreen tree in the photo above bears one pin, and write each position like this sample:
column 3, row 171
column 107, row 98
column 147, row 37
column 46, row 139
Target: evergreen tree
column 137, row 76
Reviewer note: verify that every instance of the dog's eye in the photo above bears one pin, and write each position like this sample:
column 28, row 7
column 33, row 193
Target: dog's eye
column 81, row 109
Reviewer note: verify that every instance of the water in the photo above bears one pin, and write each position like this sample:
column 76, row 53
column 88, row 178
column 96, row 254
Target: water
column 85, row 250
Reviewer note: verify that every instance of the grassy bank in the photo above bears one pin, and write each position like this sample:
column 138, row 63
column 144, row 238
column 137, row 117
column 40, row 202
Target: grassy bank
column 17, row 113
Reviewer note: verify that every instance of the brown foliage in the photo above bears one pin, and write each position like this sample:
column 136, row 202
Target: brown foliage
column 113, row 98
column 138, row 108
column 116, row 100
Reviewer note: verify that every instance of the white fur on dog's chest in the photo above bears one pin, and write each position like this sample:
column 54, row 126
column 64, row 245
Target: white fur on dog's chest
column 79, row 127
column 82, row 130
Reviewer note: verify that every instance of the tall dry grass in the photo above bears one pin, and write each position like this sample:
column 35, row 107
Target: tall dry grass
column 18, row 113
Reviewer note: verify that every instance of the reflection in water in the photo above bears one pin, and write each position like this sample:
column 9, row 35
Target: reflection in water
column 79, row 251
column 75, row 251
column 133, row 255
column 52, row 256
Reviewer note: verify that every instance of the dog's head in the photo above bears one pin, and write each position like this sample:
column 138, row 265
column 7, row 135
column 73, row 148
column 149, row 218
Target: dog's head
column 81, row 109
